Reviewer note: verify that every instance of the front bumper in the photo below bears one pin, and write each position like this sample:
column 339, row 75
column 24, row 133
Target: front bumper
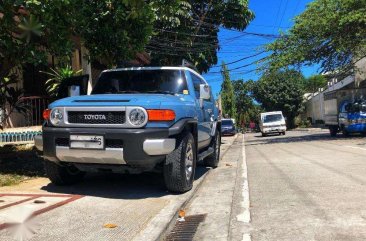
column 274, row 129
column 228, row 131
column 131, row 147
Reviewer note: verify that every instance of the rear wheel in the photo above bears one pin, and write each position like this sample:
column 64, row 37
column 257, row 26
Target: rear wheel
column 213, row 159
column 62, row 175
column 180, row 165
column 333, row 130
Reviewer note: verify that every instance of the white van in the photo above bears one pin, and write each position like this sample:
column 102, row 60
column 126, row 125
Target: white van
column 272, row 122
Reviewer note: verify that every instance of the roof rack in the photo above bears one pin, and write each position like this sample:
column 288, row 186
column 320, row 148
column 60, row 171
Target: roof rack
column 186, row 63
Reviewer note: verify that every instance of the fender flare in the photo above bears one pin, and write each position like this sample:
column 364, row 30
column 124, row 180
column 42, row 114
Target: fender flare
column 180, row 125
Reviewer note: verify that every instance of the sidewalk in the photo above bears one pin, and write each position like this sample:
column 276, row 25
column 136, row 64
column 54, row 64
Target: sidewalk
column 221, row 199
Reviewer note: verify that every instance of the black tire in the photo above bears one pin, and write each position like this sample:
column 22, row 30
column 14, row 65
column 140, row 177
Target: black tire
column 345, row 133
column 213, row 159
column 264, row 135
column 62, row 175
column 333, row 130
column 284, row 133
column 175, row 176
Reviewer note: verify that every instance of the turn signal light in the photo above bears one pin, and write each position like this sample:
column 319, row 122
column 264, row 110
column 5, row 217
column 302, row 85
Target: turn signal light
column 161, row 115
column 46, row 114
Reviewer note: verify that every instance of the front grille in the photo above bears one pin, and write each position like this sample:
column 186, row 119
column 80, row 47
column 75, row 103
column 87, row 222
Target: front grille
column 62, row 142
column 96, row 117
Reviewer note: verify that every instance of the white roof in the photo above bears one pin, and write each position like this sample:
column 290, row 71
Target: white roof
column 272, row 113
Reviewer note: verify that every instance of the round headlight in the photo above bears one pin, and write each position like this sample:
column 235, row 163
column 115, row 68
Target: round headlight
column 137, row 117
column 56, row 117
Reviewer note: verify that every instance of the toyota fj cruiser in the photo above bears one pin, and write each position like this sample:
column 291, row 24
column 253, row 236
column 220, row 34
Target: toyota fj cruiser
column 135, row 120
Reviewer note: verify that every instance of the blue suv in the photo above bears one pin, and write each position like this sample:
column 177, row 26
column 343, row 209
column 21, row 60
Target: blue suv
column 135, row 120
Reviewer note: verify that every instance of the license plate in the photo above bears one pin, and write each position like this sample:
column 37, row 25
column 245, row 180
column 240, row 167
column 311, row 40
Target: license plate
column 86, row 142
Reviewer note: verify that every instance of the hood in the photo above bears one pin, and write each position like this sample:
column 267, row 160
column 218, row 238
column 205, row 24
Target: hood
column 143, row 100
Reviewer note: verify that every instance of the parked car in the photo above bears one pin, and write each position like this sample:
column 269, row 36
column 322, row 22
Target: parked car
column 345, row 111
column 135, row 120
column 272, row 122
column 228, row 127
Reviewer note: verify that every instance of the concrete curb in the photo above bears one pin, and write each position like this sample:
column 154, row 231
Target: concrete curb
column 309, row 129
column 166, row 219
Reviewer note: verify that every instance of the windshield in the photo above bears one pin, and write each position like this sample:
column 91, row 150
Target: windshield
column 272, row 118
column 227, row 123
column 141, row 81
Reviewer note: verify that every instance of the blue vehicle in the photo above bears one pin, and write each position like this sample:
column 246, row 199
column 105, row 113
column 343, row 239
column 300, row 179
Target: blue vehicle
column 348, row 116
column 228, row 127
column 355, row 121
column 135, row 120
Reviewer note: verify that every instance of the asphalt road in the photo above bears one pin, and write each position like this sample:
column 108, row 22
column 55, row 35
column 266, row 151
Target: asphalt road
column 307, row 186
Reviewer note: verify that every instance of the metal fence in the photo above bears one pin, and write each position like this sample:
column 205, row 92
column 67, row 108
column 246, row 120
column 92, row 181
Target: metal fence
column 35, row 107
column 19, row 136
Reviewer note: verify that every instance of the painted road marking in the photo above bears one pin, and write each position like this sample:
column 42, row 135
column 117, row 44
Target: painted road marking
column 16, row 202
column 245, row 203
column 356, row 147
column 245, row 215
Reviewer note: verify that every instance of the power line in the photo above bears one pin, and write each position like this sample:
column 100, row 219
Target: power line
column 284, row 12
column 243, row 66
column 277, row 15
column 241, row 59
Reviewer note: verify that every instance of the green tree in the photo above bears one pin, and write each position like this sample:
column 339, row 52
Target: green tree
column 30, row 30
column 281, row 91
column 187, row 29
column 243, row 95
column 314, row 82
column 244, row 103
column 227, row 94
column 329, row 32
column 113, row 31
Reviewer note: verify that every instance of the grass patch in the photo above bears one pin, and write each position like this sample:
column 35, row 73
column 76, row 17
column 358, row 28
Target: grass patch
column 19, row 163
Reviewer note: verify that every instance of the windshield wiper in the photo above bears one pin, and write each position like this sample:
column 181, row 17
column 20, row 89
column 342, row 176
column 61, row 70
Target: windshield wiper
column 161, row 92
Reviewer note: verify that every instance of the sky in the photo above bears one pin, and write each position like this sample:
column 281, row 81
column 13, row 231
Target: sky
column 271, row 17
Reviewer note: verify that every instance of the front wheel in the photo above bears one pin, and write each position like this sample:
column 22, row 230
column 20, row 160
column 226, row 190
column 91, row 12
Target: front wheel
column 62, row 175
column 213, row 159
column 180, row 165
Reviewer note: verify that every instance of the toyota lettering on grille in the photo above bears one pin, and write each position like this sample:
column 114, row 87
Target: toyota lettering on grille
column 95, row 117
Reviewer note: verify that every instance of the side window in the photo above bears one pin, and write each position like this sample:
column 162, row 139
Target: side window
column 196, row 84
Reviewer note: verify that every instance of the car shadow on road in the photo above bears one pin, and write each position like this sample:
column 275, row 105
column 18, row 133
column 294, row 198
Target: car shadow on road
column 120, row 186
column 274, row 139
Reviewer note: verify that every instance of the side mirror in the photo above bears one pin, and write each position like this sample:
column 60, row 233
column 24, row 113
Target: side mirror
column 205, row 92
